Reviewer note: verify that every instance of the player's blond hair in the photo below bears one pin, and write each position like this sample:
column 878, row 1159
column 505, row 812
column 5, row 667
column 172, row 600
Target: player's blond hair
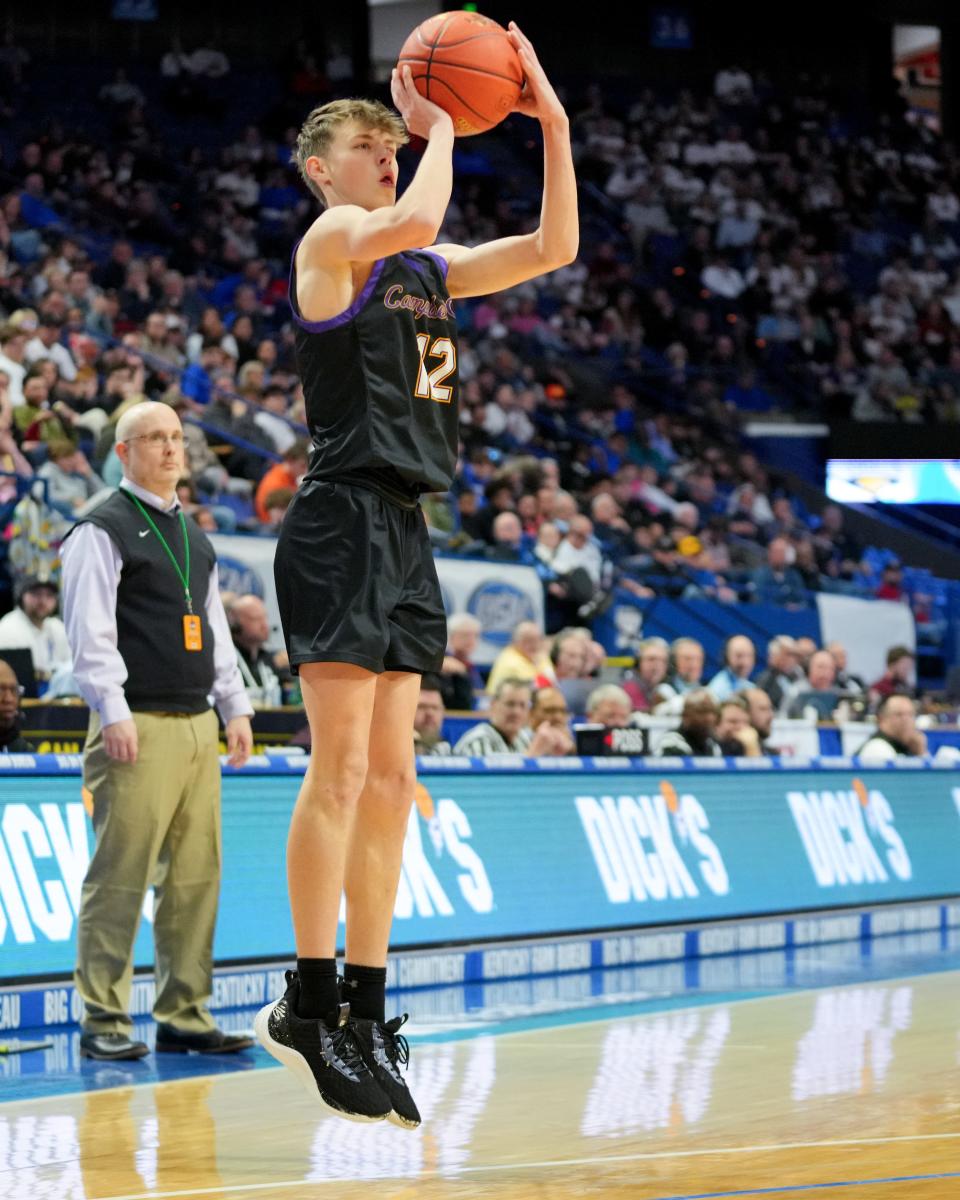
column 320, row 127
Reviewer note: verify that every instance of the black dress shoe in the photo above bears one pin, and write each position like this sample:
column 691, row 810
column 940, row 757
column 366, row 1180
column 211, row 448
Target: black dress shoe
column 177, row 1041
column 111, row 1046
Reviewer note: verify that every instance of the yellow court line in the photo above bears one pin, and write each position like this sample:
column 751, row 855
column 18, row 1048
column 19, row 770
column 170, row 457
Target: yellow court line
column 599, row 1161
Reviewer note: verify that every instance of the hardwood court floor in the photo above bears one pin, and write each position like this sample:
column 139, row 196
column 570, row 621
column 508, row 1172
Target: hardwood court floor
column 847, row 1092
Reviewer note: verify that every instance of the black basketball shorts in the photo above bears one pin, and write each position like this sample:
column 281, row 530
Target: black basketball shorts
column 356, row 582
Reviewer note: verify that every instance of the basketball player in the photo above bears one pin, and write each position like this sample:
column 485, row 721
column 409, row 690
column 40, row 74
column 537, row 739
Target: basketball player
column 359, row 597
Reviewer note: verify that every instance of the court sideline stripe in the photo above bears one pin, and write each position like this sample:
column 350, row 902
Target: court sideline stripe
column 811, row 1187
column 596, row 1161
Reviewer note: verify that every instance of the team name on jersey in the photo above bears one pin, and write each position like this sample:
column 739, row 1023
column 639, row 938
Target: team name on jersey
column 398, row 297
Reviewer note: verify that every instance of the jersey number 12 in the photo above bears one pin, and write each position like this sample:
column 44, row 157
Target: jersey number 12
column 430, row 384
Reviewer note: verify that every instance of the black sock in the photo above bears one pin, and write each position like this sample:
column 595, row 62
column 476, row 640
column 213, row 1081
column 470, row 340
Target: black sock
column 319, row 994
column 363, row 988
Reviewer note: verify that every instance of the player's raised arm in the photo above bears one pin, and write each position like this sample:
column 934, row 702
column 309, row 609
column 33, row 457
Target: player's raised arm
column 358, row 177
column 477, row 271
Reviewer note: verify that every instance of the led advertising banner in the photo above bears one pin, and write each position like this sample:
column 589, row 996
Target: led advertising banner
column 492, row 855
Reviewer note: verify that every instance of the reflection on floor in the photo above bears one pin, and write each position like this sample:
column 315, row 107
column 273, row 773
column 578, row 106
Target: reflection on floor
column 447, row 1013
column 649, row 1083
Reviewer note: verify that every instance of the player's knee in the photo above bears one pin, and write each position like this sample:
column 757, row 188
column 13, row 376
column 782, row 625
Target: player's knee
column 339, row 798
column 340, row 790
column 393, row 786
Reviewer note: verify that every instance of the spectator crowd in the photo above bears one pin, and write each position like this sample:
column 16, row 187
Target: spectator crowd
column 750, row 247
column 542, row 692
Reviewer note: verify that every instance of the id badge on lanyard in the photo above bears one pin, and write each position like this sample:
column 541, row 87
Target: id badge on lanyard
column 192, row 632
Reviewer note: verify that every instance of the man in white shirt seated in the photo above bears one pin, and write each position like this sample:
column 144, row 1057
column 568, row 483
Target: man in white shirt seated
column 274, row 406
column 32, row 626
column 733, row 85
column 250, row 629
column 578, row 564
column 13, row 345
column 578, row 550
column 723, row 279
column 897, row 735
column 46, row 344
column 508, row 731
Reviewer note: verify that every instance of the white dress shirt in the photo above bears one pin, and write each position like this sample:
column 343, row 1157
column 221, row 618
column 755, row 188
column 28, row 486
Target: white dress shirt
column 47, row 643
column 36, row 350
column 15, row 372
column 268, row 691
column 878, row 750
column 587, row 556
column 91, row 574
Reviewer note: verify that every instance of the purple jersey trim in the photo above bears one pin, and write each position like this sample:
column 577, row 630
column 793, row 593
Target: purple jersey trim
column 416, row 264
column 440, row 261
column 341, row 318
column 413, row 263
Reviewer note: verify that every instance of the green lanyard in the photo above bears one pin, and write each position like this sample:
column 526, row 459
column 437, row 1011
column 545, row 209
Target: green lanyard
column 184, row 574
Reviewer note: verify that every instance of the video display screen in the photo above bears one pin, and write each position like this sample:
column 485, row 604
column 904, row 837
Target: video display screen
column 893, row 481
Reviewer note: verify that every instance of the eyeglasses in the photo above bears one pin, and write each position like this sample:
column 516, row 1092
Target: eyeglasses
column 12, row 689
column 158, row 439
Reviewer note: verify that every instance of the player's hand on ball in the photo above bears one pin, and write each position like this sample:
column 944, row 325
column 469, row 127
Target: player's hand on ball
column 420, row 116
column 538, row 99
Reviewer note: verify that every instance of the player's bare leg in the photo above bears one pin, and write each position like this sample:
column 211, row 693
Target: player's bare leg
column 375, row 851
column 339, row 699
column 308, row 1030
column 374, row 858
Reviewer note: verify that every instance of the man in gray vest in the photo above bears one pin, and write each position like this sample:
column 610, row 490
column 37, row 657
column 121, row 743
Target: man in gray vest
column 150, row 644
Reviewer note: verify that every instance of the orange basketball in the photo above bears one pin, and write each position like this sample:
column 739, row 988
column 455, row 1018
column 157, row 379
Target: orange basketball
column 468, row 66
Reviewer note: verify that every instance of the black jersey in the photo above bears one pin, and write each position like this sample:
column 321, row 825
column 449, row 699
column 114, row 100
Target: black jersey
column 381, row 383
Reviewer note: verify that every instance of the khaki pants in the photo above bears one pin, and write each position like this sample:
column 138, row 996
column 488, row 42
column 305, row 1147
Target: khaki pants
column 157, row 822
